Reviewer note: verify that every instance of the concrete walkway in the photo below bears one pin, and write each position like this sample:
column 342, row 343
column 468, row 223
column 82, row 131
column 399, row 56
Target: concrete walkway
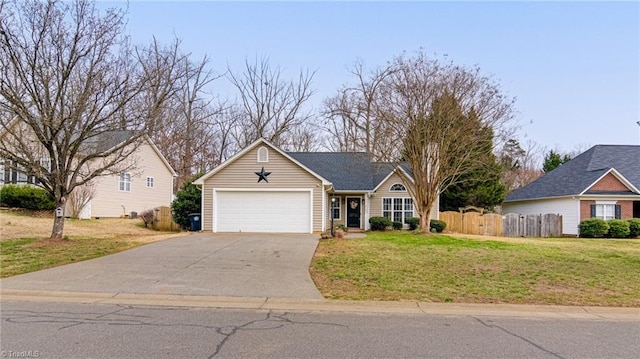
column 233, row 265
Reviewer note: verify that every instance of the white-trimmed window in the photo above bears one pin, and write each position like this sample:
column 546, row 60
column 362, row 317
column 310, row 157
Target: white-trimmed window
column 125, row 182
column 605, row 210
column 149, row 182
column 2, row 171
column 397, row 187
column 397, row 209
column 263, row 154
column 335, row 208
column 46, row 165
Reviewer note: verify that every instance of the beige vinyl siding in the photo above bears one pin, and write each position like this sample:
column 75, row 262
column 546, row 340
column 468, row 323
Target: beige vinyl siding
column 342, row 197
column 240, row 174
column 383, row 192
column 109, row 200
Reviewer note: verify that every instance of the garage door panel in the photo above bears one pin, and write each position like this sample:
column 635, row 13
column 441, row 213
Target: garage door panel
column 260, row 211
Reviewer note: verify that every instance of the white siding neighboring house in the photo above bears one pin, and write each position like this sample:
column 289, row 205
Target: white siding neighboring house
column 568, row 207
column 150, row 185
column 602, row 182
column 265, row 189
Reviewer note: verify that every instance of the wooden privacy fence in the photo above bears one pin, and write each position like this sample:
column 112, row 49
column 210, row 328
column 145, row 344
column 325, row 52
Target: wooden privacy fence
column 508, row 225
column 532, row 225
column 163, row 220
column 473, row 223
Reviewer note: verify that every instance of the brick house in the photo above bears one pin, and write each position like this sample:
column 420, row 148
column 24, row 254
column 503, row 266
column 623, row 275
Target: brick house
column 602, row 182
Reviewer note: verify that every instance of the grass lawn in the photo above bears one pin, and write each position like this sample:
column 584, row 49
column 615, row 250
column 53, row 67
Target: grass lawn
column 442, row 268
column 24, row 246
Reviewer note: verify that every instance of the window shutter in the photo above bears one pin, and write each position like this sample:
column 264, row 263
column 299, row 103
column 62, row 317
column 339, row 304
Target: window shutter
column 593, row 210
column 618, row 211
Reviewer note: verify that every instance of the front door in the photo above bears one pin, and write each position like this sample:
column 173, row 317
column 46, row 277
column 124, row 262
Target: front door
column 353, row 212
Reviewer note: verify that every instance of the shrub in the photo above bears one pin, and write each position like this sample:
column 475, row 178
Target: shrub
column 147, row 218
column 634, row 227
column 618, row 228
column 413, row 222
column 593, row 228
column 343, row 228
column 27, row 197
column 437, row 225
column 396, row 225
column 188, row 200
column 379, row 223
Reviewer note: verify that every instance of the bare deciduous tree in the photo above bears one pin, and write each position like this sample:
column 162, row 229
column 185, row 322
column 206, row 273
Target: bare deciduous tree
column 74, row 94
column 80, row 198
column 441, row 114
column 353, row 116
column 521, row 165
column 188, row 131
column 270, row 107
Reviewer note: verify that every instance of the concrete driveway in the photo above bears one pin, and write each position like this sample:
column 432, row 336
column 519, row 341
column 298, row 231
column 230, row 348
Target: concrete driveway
column 237, row 265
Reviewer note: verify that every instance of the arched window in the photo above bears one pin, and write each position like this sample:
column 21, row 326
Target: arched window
column 398, row 187
column 263, row 154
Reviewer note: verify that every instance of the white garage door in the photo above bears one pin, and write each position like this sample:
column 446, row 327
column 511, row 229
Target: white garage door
column 253, row 211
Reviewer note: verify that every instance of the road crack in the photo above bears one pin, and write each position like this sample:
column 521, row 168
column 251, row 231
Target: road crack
column 118, row 317
column 519, row 337
column 276, row 320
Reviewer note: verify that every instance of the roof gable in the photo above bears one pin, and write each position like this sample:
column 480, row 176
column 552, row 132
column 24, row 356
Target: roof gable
column 161, row 156
column 577, row 176
column 345, row 171
column 247, row 149
column 611, row 182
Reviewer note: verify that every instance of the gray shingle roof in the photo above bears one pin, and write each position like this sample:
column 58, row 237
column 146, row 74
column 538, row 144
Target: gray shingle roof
column 106, row 140
column 575, row 176
column 346, row 170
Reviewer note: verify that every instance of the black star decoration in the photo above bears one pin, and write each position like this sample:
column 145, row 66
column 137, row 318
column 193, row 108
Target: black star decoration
column 262, row 175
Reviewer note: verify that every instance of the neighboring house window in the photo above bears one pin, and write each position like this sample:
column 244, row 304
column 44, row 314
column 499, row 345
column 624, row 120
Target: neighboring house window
column 263, row 154
column 2, row 172
column 46, row 164
column 20, row 174
column 606, row 211
column 125, row 182
column 398, row 187
column 397, row 209
column 149, row 182
column 11, row 172
column 335, row 208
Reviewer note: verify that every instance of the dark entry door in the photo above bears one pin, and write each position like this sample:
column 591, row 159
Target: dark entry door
column 353, row 212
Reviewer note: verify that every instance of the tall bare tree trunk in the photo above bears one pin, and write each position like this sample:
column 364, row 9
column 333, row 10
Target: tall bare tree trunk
column 58, row 219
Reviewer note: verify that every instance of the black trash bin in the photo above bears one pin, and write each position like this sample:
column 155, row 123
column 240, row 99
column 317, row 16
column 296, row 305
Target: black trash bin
column 194, row 219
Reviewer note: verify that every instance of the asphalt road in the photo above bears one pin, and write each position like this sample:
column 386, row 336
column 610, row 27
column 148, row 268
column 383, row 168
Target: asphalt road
column 76, row 330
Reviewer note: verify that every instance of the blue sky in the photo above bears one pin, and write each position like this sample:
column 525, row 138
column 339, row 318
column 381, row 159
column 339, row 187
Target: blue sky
column 574, row 67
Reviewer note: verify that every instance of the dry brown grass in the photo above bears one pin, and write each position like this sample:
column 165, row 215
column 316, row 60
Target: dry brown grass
column 25, row 245
column 14, row 226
